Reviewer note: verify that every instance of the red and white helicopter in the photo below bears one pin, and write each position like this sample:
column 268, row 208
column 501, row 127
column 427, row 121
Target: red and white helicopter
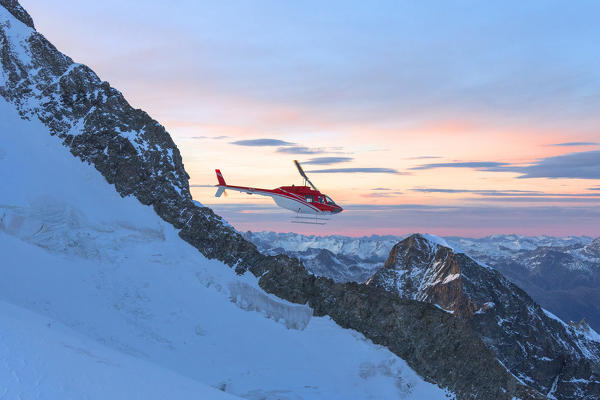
column 303, row 200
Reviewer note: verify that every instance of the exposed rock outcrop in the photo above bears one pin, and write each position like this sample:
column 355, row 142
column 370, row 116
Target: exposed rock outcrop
column 17, row 11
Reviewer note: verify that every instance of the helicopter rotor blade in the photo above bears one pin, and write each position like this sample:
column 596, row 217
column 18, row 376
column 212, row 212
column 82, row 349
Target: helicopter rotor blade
column 303, row 174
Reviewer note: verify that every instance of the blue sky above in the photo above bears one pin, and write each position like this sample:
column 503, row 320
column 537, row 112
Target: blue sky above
column 532, row 61
column 483, row 107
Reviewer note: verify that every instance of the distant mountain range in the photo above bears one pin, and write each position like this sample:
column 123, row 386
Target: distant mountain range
column 561, row 274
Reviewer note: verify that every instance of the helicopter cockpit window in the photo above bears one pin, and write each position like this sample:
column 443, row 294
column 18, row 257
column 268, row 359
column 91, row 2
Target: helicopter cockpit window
column 321, row 200
column 329, row 200
column 310, row 198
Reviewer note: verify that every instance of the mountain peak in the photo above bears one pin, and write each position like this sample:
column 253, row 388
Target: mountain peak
column 582, row 327
column 425, row 268
column 18, row 12
column 424, row 240
column 593, row 248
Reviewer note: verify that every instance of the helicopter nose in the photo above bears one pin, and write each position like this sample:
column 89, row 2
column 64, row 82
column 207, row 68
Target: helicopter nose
column 337, row 210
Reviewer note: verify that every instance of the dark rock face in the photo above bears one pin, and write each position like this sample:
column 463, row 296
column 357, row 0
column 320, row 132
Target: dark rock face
column 17, row 11
column 421, row 270
column 552, row 357
column 136, row 154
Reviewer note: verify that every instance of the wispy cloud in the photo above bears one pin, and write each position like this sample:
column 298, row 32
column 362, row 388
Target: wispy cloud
column 211, row 137
column 569, row 144
column 300, row 150
column 479, row 165
column 507, row 193
column 422, row 157
column 582, row 165
column 284, row 146
column 534, row 199
column 534, row 194
column 475, row 191
column 383, row 194
column 595, row 188
column 327, row 160
column 262, row 142
column 357, row 170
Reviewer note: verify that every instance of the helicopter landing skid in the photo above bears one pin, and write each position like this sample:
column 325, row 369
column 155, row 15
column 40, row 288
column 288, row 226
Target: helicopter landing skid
column 316, row 220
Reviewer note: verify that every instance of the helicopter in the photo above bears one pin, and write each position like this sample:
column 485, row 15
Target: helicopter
column 309, row 204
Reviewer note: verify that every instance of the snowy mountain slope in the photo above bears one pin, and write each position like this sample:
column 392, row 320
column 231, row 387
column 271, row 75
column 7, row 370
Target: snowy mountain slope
column 534, row 345
column 110, row 269
column 42, row 358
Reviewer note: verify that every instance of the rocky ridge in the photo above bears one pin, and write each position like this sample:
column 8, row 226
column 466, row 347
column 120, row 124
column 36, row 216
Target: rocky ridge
column 136, row 154
column 560, row 274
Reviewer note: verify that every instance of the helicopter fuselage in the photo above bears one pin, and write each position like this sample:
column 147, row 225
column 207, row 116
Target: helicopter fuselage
column 300, row 199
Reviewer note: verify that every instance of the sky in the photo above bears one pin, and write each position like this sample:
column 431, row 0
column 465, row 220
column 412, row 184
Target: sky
column 456, row 118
